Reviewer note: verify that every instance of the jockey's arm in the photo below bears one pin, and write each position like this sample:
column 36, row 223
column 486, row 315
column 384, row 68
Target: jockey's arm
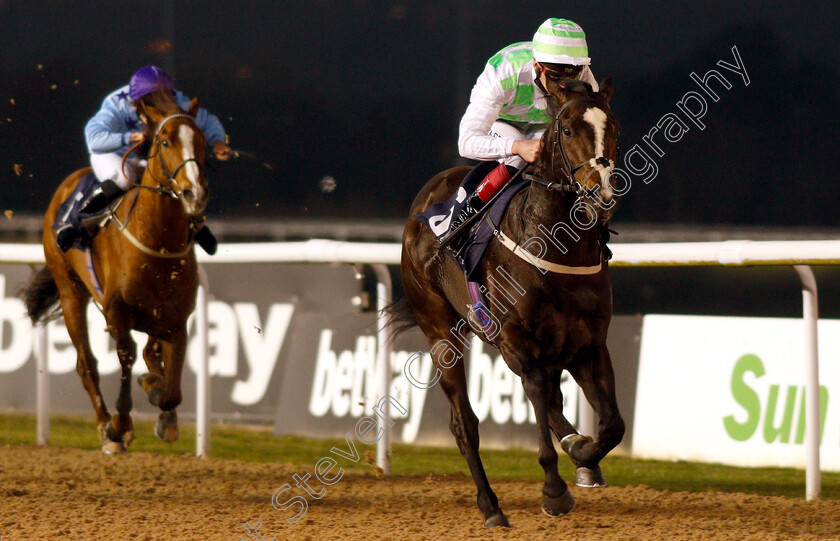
column 210, row 125
column 486, row 101
column 106, row 132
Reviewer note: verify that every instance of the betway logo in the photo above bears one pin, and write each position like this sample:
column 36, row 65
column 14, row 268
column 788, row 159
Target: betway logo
column 345, row 381
column 228, row 326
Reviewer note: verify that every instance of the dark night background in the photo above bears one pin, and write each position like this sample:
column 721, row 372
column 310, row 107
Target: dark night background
column 371, row 93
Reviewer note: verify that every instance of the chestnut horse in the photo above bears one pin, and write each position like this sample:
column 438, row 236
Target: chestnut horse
column 550, row 307
column 145, row 263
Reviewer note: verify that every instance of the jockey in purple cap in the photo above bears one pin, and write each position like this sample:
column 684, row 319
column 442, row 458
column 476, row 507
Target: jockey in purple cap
column 112, row 132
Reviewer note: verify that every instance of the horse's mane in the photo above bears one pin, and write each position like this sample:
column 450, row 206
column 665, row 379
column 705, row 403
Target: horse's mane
column 160, row 100
column 163, row 101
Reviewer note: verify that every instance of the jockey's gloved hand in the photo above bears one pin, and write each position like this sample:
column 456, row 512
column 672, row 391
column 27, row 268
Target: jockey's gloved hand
column 221, row 151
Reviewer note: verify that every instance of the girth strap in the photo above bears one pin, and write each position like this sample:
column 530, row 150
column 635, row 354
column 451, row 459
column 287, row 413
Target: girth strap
column 543, row 264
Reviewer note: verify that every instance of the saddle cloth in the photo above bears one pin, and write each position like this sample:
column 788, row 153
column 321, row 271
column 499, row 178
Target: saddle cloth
column 438, row 216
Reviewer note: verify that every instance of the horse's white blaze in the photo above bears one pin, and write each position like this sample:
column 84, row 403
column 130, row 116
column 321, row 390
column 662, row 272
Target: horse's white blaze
column 597, row 118
column 187, row 136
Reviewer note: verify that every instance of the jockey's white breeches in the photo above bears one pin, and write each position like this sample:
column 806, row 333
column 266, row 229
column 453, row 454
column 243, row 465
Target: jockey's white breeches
column 109, row 166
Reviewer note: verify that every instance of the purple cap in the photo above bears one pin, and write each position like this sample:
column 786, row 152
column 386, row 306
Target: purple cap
column 147, row 80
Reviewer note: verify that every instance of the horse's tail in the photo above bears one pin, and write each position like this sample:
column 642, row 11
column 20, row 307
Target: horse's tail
column 400, row 316
column 41, row 297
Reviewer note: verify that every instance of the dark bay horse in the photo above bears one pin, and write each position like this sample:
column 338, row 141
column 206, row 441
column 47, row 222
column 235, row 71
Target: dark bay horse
column 146, row 269
column 551, row 306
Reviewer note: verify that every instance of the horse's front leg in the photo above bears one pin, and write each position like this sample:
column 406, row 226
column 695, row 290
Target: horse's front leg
column 172, row 355
column 557, row 499
column 594, row 373
column 153, row 382
column 588, row 477
column 120, row 431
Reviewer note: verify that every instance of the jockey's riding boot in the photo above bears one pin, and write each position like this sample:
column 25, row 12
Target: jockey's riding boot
column 66, row 236
column 490, row 186
column 459, row 238
column 207, row 240
column 101, row 197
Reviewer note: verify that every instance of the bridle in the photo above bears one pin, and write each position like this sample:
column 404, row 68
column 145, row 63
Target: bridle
column 170, row 187
column 567, row 182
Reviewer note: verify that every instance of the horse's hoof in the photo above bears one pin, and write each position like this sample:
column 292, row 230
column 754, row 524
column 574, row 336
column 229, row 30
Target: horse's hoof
column 499, row 519
column 113, row 448
column 559, row 506
column 573, row 442
column 166, row 427
column 589, row 477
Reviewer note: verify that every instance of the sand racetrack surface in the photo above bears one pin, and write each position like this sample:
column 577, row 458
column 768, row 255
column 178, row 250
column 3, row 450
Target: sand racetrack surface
column 50, row 493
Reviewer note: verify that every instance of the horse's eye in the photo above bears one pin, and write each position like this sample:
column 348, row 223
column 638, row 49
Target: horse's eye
column 164, row 143
column 567, row 132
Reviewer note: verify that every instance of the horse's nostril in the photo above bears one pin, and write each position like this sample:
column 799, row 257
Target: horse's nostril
column 189, row 196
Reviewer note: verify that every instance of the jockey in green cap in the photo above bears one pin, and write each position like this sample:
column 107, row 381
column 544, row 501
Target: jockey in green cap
column 507, row 116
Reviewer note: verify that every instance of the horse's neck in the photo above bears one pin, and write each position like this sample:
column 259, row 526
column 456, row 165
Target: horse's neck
column 546, row 215
column 157, row 218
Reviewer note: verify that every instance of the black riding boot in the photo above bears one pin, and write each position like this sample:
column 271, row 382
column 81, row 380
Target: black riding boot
column 97, row 200
column 459, row 237
column 206, row 240
column 102, row 196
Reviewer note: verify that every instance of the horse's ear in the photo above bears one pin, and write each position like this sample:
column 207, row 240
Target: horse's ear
column 605, row 89
column 193, row 107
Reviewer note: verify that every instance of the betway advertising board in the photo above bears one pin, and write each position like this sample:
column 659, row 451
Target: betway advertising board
column 731, row 390
column 250, row 311
column 287, row 345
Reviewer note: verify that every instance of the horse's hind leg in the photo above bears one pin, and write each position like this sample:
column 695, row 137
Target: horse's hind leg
column 445, row 349
column 172, row 352
column 74, row 299
column 464, row 426
column 595, row 376
column 121, row 429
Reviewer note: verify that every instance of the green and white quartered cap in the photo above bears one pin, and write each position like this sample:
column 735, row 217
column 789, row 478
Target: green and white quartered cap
column 561, row 41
